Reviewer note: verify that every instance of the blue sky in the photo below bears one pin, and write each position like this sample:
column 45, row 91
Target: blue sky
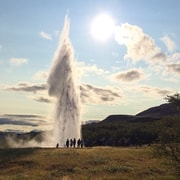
column 122, row 75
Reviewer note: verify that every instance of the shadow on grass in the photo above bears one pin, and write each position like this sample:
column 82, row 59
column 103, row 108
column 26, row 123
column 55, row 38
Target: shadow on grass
column 11, row 155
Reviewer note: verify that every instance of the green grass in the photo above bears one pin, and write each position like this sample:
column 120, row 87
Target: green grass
column 87, row 163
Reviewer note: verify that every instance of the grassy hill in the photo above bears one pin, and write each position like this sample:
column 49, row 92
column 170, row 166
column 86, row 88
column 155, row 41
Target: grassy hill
column 86, row 163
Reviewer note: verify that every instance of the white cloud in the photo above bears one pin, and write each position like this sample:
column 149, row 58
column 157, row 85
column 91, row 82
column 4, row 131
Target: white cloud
column 100, row 95
column 40, row 75
column 173, row 68
column 128, row 76
column 84, row 69
column 159, row 57
column 45, row 35
column 25, row 87
column 153, row 92
column 174, row 57
column 170, row 44
column 18, row 61
column 43, row 99
column 140, row 46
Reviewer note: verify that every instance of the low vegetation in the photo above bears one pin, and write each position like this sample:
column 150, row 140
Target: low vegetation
column 85, row 163
column 120, row 133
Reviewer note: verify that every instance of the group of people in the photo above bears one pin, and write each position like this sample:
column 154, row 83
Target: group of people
column 74, row 143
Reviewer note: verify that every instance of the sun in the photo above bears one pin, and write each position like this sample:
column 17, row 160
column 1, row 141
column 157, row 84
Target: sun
column 102, row 27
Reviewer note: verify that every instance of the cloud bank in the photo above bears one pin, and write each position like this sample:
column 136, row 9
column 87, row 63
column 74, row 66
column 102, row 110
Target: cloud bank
column 19, row 119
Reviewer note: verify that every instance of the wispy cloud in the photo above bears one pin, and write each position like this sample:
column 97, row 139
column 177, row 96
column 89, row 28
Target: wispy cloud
column 26, row 87
column 18, row 61
column 85, row 70
column 43, row 99
column 100, row 95
column 128, row 76
column 40, row 75
column 159, row 57
column 175, row 57
column 170, row 44
column 45, row 35
column 154, row 91
column 173, row 68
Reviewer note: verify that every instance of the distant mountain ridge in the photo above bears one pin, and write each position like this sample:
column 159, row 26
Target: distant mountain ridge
column 160, row 111
column 152, row 113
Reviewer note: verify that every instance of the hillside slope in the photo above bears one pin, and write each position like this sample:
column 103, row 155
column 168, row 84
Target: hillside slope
column 159, row 111
column 150, row 114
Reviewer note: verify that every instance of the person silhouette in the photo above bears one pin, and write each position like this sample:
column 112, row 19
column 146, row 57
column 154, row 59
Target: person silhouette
column 71, row 142
column 79, row 142
column 67, row 143
column 74, row 142
column 82, row 143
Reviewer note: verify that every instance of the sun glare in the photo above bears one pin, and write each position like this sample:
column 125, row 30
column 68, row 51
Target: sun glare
column 102, row 27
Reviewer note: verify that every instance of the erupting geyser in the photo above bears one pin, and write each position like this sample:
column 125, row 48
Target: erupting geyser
column 62, row 85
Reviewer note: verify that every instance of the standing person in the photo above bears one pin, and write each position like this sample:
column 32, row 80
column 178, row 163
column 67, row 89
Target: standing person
column 79, row 142
column 57, row 145
column 71, row 142
column 82, row 143
column 67, row 143
column 74, row 142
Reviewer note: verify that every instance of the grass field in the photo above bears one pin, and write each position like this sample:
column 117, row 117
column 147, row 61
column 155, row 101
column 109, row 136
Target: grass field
column 86, row 163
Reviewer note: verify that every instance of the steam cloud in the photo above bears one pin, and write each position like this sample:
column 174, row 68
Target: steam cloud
column 61, row 85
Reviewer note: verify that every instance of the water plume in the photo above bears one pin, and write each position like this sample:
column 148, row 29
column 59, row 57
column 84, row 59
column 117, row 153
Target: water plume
column 62, row 85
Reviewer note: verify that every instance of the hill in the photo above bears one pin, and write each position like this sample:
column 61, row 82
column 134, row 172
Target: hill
column 153, row 113
column 159, row 111
column 124, row 130
column 114, row 118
